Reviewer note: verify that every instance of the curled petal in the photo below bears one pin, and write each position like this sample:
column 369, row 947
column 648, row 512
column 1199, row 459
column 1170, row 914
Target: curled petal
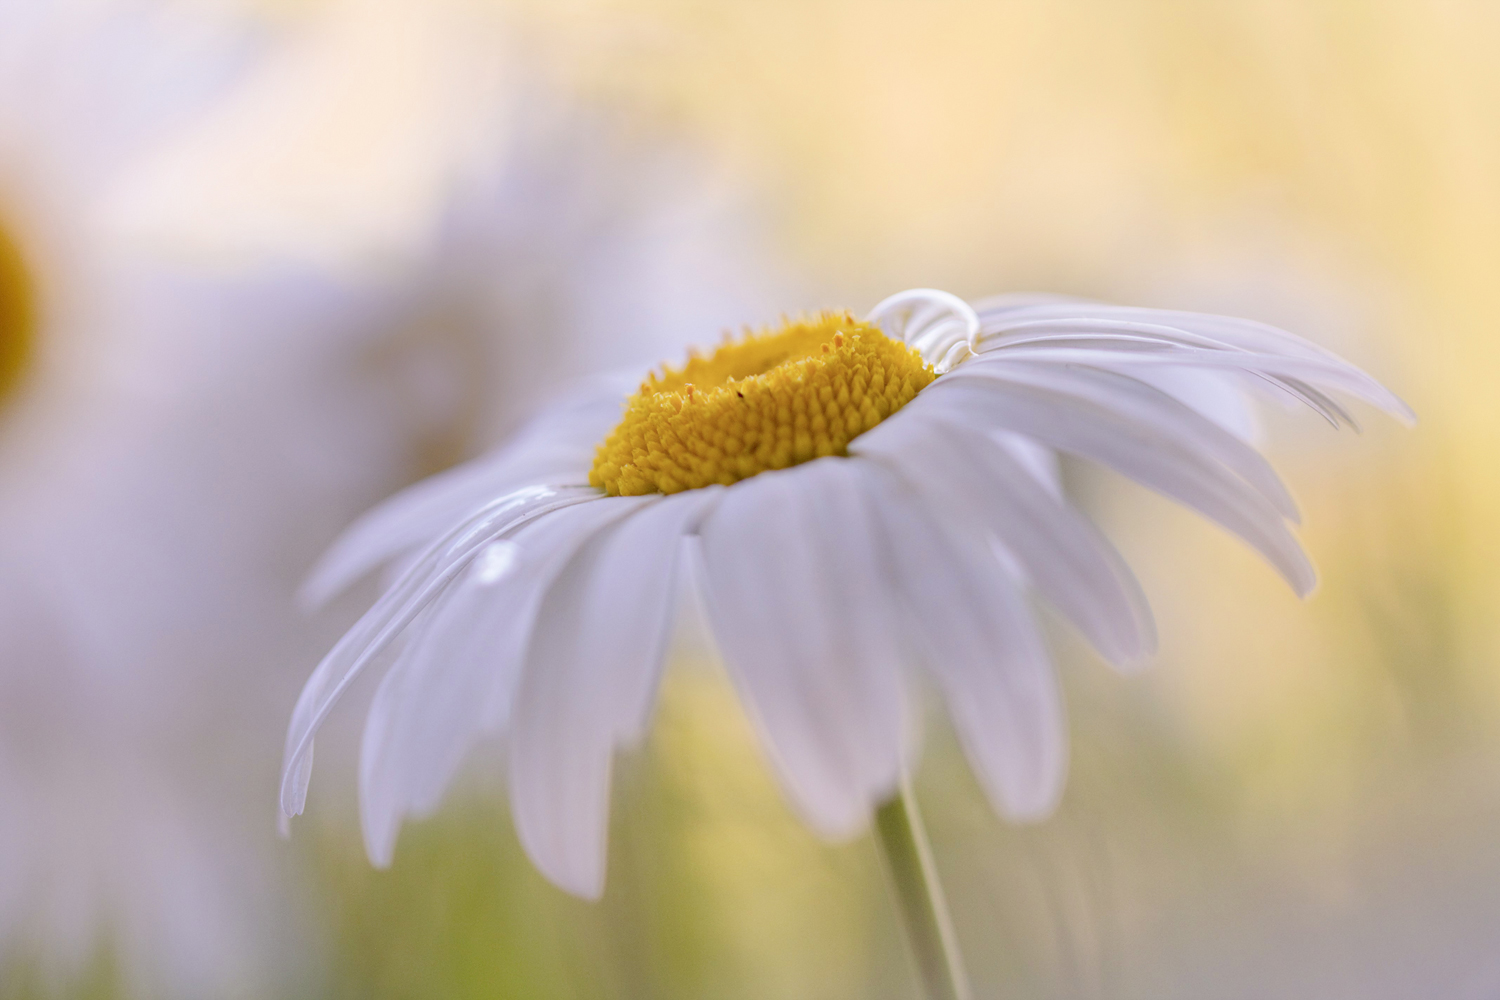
column 941, row 327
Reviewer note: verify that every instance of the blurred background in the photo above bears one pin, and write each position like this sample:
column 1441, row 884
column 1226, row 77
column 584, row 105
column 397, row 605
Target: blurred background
column 261, row 264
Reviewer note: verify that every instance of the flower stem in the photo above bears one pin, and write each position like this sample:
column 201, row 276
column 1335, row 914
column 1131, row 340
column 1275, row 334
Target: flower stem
column 919, row 894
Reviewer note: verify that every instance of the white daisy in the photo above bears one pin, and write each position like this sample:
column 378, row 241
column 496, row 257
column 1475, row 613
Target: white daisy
column 861, row 498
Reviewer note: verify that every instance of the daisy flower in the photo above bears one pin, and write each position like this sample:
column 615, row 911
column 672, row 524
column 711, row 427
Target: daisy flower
column 862, row 501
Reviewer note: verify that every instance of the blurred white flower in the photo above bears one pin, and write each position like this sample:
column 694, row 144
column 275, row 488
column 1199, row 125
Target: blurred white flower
column 196, row 393
column 102, row 847
column 541, row 601
column 427, row 149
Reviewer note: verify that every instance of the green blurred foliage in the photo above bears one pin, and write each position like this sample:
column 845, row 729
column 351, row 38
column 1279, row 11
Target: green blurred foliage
column 714, row 889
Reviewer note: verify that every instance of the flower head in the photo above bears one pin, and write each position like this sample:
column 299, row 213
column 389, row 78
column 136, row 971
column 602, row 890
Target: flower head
column 768, row 402
column 865, row 499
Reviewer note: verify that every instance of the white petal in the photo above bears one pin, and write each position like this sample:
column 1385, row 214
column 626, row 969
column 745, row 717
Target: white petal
column 802, row 612
column 934, row 324
column 591, row 676
column 1074, row 330
column 1177, row 472
column 1152, row 414
column 970, row 480
column 557, row 447
column 1093, row 333
column 1222, row 397
column 416, row 515
column 1231, row 331
column 1325, row 372
column 1017, row 331
column 389, row 617
column 982, row 645
column 1035, row 457
column 456, row 678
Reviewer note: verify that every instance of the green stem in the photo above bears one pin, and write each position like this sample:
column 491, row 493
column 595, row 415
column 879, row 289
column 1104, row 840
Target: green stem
column 919, row 895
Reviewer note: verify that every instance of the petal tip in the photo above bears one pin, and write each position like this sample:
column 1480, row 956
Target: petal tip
column 380, row 846
column 1031, row 796
column 312, row 596
column 1031, row 811
column 295, row 777
column 323, row 583
column 1134, row 662
column 584, row 880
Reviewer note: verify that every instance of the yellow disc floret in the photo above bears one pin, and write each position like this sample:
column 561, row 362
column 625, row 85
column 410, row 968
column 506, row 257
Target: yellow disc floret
column 769, row 401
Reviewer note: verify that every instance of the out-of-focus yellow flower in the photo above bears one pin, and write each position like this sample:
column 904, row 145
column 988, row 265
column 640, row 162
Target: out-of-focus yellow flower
column 109, row 851
column 17, row 313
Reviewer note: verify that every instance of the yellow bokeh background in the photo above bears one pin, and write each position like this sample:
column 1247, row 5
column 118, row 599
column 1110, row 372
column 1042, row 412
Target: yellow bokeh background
column 1294, row 799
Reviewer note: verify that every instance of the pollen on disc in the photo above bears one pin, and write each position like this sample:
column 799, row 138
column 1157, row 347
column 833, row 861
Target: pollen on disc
column 768, row 401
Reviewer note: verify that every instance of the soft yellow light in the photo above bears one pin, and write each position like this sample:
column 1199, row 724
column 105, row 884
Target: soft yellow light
column 772, row 400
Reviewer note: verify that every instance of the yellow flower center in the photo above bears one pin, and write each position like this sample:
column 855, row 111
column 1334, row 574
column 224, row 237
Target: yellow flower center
column 17, row 315
column 769, row 401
